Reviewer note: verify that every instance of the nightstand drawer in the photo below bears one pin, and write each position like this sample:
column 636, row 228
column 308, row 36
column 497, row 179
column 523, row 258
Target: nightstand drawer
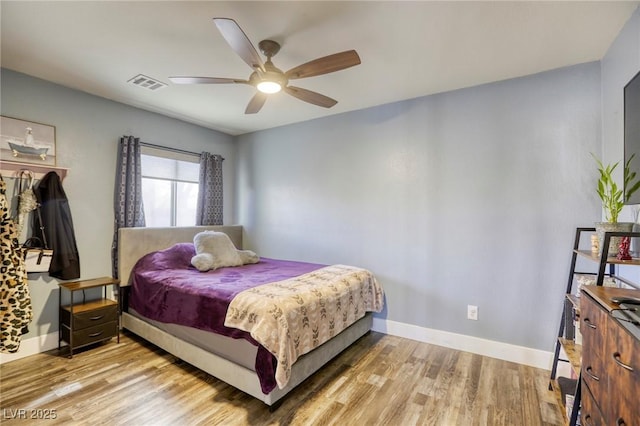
column 90, row 318
column 92, row 334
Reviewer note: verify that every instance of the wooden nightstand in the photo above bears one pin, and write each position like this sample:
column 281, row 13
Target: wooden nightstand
column 88, row 322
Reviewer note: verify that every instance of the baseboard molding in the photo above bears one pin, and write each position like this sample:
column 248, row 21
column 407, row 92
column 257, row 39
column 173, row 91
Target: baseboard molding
column 505, row 351
column 32, row 346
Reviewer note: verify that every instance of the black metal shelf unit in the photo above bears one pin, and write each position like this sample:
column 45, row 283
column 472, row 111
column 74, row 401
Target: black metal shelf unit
column 566, row 331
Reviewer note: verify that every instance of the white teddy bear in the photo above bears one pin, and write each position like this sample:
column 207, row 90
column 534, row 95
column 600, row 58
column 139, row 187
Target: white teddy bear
column 216, row 250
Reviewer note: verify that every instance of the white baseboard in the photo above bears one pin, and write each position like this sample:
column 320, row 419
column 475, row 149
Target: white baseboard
column 505, row 351
column 32, row 346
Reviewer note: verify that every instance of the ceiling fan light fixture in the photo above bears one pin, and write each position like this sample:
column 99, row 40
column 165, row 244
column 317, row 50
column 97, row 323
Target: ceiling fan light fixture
column 269, row 87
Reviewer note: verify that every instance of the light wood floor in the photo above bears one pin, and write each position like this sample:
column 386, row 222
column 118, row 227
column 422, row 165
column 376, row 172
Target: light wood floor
column 381, row 380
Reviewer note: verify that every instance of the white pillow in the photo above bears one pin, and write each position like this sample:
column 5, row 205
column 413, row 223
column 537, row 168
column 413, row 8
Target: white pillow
column 216, row 250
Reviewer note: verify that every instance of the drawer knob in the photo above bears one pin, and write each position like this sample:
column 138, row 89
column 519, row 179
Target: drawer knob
column 96, row 318
column 616, row 358
column 96, row 334
column 620, row 421
column 587, row 321
column 587, row 420
column 589, row 373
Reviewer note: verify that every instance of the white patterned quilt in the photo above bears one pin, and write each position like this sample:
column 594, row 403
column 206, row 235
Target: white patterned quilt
column 294, row 316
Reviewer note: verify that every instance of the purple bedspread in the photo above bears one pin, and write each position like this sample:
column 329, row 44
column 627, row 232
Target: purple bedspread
column 165, row 287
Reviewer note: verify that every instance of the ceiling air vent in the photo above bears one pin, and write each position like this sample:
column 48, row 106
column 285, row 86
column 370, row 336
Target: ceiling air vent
column 146, row 82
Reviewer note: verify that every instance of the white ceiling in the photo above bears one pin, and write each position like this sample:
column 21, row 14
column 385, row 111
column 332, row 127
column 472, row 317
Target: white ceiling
column 408, row 49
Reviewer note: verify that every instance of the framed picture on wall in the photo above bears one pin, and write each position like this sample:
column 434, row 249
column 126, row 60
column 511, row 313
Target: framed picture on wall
column 27, row 142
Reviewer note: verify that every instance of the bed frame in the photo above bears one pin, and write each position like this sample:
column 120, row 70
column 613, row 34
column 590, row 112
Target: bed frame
column 136, row 242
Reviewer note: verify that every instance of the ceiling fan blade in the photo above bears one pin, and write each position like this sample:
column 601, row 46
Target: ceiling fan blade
column 256, row 103
column 325, row 65
column 311, row 97
column 239, row 42
column 205, row 80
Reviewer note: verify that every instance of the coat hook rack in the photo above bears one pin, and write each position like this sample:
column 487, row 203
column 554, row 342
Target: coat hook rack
column 12, row 169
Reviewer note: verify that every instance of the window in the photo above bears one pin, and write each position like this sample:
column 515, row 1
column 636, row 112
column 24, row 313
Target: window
column 169, row 187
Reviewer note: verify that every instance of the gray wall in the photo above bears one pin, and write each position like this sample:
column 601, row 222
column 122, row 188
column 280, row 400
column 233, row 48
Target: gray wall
column 466, row 197
column 619, row 65
column 87, row 133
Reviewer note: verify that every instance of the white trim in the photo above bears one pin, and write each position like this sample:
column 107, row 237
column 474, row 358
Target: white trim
column 505, row 351
column 32, row 346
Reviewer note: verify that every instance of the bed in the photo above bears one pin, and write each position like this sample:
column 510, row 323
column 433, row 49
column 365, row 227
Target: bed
column 233, row 358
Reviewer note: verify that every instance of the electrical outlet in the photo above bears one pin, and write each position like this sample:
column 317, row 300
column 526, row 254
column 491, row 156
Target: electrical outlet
column 472, row 312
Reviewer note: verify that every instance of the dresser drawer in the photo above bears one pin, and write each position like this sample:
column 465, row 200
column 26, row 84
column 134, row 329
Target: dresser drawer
column 589, row 411
column 623, row 368
column 593, row 326
column 594, row 375
column 90, row 335
column 626, row 413
column 593, row 323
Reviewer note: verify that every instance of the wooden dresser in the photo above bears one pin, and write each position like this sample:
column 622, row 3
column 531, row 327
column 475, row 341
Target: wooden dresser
column 610, row 360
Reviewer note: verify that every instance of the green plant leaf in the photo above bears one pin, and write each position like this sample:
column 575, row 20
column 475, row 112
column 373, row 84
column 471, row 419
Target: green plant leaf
column 608, row 191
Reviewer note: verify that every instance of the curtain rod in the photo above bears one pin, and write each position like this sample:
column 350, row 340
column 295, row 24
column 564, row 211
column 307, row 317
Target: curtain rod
column 166, row 148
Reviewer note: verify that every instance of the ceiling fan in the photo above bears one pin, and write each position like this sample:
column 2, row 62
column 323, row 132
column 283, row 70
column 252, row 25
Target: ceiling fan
column 265, row 76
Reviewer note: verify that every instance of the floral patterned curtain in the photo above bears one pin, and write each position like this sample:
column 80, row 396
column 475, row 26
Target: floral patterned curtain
column 128, row 207
column 209, row 209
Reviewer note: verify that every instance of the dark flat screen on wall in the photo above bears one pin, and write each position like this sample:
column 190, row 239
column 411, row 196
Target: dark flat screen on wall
column 632, row 130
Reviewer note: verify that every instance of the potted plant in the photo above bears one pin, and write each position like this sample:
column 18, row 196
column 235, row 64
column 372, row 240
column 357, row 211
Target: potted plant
column 613, row 199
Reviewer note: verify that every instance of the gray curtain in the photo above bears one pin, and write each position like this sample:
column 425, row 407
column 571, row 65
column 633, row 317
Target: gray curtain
column 209, row 209
column 128, row 209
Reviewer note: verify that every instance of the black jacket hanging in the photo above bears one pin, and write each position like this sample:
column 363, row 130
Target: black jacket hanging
column 58, row 227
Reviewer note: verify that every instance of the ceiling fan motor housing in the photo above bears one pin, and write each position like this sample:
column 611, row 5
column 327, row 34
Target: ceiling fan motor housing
column 269, row 48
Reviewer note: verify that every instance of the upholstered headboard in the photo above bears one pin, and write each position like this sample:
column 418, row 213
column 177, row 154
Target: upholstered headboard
column 133, row 243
